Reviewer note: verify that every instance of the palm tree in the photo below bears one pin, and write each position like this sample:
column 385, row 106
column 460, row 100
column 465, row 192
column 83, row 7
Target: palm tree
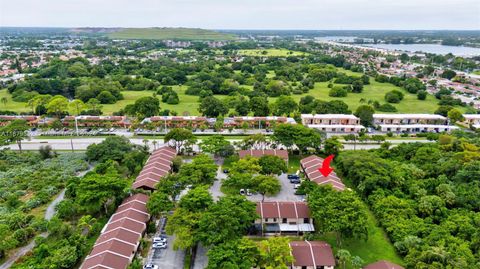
column 356, row 262
column 154, row 142
column 343, row 256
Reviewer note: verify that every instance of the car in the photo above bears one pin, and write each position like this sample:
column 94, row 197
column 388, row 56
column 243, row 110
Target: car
column 292, row 176
column 296, row 186
column 249, row 193
column 225, row 171
column 242, row 192
column 159, row 240
column 159, row 245
column 150, row 266
column 295, row 181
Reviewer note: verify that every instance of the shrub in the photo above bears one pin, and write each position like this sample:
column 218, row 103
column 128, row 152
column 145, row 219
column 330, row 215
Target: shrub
column 386, row 108
column 338, row 92
column 422, row 95
column 393, row 96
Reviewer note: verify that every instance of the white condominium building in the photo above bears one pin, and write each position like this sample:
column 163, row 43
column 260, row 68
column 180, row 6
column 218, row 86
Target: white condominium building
column 472, row 119
column 412, row 123
column 333, row 123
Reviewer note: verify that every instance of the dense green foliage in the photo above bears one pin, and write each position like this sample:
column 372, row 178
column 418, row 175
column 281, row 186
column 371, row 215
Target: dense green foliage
column 426, row 196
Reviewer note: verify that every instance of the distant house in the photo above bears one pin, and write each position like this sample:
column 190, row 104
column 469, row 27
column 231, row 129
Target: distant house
column 383, row 265
column 31, row 119
column 312, row 255
column 177, row 121
column 157, row 166
column 310, row 168
column 472, row 120
column 284, row 218
column 120, row 237
column 261, row 122
column 257, row 153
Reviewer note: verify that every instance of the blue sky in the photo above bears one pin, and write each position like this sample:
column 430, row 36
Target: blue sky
column 245, row 14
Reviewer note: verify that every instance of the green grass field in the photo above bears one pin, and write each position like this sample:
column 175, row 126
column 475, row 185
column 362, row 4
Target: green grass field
column 375, row 92
column 270, row 52
column 12, row 105
column 170, row 34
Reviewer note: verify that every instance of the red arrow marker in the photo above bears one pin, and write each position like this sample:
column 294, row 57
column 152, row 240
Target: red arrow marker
column 326, row 169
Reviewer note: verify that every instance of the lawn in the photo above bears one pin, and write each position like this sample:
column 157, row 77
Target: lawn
column 170, row 34
column 375, row 92
column 270, row 52
column 12, row 105
column 377, row 247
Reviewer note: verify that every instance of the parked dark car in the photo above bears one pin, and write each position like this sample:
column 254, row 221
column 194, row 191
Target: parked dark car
column 292, row 176
column 225, row 171
column 295, row 181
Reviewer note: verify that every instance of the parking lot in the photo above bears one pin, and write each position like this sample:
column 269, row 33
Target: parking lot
column 166, row 258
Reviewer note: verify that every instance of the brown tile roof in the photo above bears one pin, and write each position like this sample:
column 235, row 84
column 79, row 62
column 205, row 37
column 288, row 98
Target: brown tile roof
column 257, row 153
column 293, row 210
column 312, row 253
column 118, row 242
column 157, row 166
column 310, row 166
column 383, row 265
column 106, row 260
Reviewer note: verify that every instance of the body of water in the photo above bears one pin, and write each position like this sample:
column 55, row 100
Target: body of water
column 429, row 48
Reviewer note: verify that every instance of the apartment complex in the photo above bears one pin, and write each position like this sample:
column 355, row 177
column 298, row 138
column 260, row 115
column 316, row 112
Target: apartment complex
column 157, row 166
column 412, row 123
column 333, row 123
column 472, row 120
column 284, row 218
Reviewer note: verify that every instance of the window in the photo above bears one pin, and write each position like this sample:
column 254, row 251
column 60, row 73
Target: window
column 284, row 220
column 274, row 219
column 266, row 220
column 306, row 220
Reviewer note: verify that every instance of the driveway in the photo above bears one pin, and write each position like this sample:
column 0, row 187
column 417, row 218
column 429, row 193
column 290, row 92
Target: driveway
column 201, row 259
column 287, row 193
column 166, row 258
column 215, row 188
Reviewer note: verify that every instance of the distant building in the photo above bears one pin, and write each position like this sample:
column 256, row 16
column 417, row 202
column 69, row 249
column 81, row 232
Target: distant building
column 312, row 255
column 472, row 120
column 333, row 123
column 257, row 153
column 310, row 167
column 177, row 121
column 412, row 123
column 97, row 121
column 284, row 218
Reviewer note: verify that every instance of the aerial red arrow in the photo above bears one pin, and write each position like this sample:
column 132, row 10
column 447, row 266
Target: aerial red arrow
column 326, row 169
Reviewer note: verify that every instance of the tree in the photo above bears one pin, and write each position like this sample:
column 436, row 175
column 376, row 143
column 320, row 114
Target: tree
column 248, row 165
column 259, row 106
column 339, row 212
column 159, row 203
column 241, row 254
column 365, row 113
column 215, row 144
column 356, row 262
column 143, row 107
column 332, row 146
column 228, row 219
column 448, row 74
column 179, row 137
column 76, row 106
column 394, row 96
column 422, row 95
column 112, row 148
column 4, row 101
column 16, row 131
column 212, row 107
column 285, row 105
column 272, row 165
column 95, row 191
column 455, row 115
column 202, row 170
column 357, row 86
column 197, row 199
column 344, row 256
column 57, row 105
column 266, row 185
column 290, row 135
column 242, row 106
column 275, row 253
